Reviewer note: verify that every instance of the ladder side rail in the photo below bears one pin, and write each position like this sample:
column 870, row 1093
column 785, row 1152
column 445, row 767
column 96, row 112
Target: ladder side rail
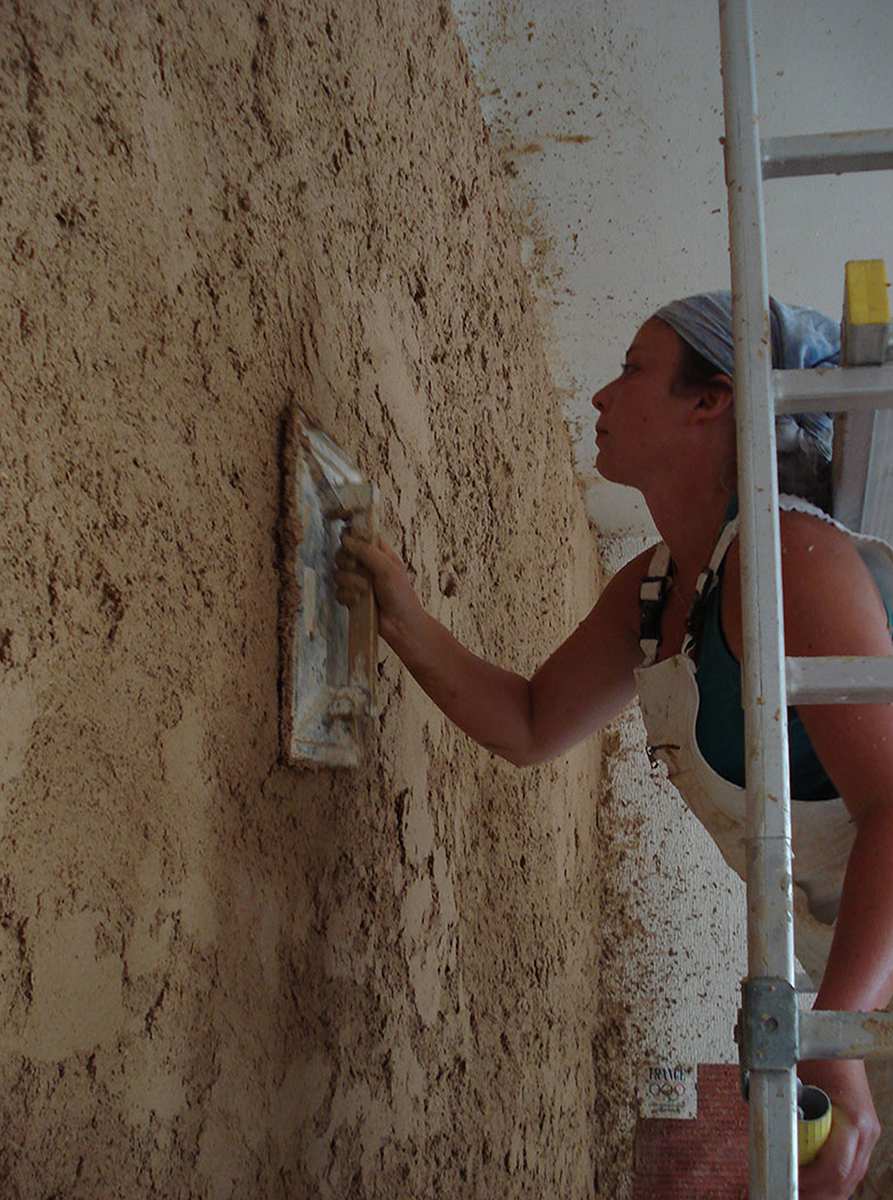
column 850, row 459
column 827, row 153
column 773, row 1158
column 877, row 505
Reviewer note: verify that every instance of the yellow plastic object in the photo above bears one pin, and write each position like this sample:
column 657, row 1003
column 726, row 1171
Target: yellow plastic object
column 814, row 1125
column 866, row 283
column 866, row 312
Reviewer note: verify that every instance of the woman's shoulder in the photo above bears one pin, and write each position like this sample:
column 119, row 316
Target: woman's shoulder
column 814, row 545
column 810, row 540
column 831, row 602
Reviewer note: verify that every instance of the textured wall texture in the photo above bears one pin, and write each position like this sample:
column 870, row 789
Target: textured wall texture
column 220, row 976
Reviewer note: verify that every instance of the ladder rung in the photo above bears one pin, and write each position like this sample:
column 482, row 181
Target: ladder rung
column 827, row 153
column 834, row 389
column 825, row 1034
column 839, row 680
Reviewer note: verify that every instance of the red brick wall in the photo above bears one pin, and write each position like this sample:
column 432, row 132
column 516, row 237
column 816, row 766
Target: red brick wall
column 704, row 1159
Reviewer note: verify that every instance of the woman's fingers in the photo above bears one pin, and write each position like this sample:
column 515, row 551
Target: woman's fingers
column 350, row 584
column 345, row 561
column 366, row 560
column 843, row 1160
column 360, row 568
column 839, row 1167
column 365, row 553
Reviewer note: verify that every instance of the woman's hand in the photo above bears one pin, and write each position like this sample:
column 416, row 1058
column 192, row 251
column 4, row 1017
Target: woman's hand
column 361, row 566
column 843, row 1160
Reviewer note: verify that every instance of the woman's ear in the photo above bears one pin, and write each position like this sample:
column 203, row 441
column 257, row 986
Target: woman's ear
column 714, row 398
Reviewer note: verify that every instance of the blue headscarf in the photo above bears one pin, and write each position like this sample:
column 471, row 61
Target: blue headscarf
column 801, row 338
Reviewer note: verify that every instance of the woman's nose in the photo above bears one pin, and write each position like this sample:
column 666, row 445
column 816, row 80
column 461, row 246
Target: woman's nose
column 599, row 400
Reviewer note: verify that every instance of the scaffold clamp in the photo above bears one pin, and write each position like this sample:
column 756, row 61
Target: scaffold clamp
column 768, row 1025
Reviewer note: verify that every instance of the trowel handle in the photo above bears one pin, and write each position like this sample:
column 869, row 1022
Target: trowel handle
column 362, row 636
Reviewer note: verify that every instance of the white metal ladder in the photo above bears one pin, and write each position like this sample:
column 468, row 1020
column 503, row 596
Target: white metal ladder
column 774, row 1035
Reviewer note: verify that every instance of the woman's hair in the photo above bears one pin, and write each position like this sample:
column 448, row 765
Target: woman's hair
column 694, row 369
column 804, row 468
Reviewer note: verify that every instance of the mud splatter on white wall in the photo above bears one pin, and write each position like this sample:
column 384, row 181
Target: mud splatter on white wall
column 219, row 976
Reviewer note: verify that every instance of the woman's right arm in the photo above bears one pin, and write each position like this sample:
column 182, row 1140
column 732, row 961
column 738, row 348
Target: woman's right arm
column 580, row 688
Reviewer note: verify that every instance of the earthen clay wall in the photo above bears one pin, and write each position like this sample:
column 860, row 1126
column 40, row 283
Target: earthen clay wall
column 220, row 976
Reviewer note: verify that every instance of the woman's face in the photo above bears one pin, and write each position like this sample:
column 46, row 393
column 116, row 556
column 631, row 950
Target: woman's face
column 637, row 410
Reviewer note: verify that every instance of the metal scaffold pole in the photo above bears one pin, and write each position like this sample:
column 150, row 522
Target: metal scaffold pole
column 773, row 1034
column 770, row 952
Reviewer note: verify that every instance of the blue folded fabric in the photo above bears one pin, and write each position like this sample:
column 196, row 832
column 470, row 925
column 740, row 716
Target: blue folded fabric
column 801, row 338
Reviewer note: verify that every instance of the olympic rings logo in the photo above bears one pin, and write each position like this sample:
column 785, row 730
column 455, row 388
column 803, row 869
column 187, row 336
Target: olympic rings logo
column 666, row 1090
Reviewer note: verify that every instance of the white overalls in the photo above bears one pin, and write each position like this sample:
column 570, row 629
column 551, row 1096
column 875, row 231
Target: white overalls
column 822, row 830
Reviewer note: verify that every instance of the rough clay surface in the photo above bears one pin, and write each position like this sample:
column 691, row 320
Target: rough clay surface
column 219, row 976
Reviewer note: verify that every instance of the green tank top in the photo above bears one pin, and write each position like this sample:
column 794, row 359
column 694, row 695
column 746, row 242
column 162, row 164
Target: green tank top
column 720, row 724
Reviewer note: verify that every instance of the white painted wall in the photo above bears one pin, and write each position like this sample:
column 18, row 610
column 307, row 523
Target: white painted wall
column 608, row 118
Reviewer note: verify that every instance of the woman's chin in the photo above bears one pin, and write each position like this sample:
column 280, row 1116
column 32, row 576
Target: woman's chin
column 606, row 469
column 611, row 473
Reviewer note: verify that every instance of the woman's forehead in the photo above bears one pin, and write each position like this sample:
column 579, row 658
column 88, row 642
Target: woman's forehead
column 656, row 335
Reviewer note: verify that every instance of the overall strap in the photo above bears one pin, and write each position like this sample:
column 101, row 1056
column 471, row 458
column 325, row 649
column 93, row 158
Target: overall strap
column 653, row 593
column 707, row 581
column 655, row 588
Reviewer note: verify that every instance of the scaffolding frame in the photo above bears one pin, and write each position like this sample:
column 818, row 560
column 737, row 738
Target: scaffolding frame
column 773, row 1033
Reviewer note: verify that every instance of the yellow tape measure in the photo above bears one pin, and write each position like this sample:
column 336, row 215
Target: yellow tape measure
column 813, row 1122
